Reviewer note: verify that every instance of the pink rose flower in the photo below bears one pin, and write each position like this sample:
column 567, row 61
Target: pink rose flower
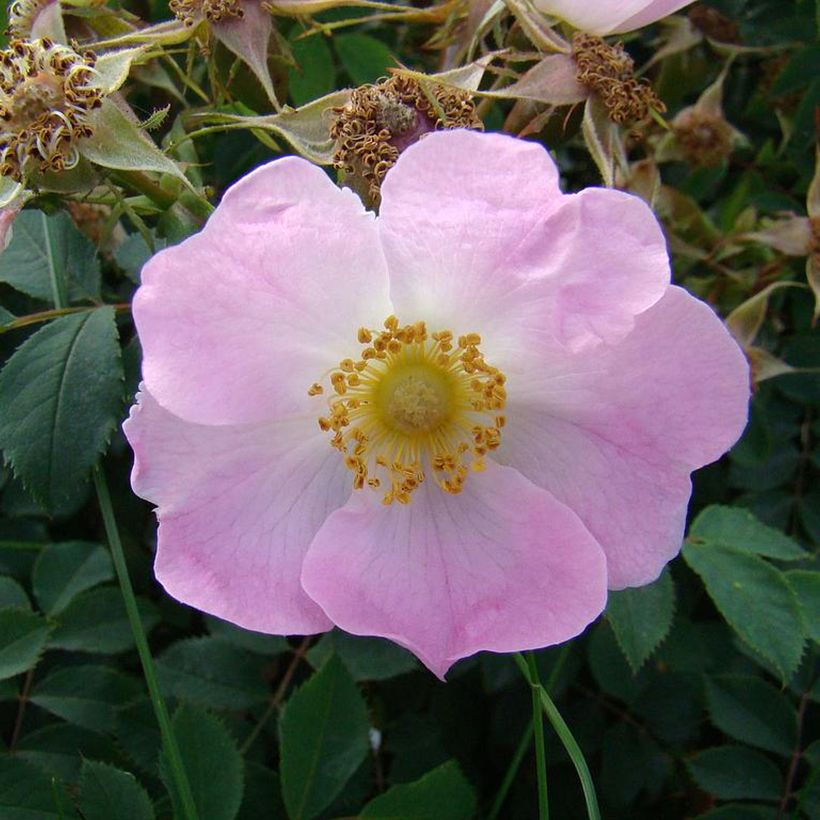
column 453, row 425
column 610, row 16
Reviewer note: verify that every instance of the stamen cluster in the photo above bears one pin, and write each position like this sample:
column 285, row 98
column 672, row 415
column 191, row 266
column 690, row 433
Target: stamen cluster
column 22, row 14
column 381, row 120
column 610, row 72
column 214, row 11
column 414, row 401
column 47, row 92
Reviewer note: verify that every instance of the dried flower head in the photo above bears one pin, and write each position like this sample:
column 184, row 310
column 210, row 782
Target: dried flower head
column 214, row 11
column 714, row 24
column 47, row 92
column 704, row 136
column 610, row 72
column 22, row 15
column 381, row 120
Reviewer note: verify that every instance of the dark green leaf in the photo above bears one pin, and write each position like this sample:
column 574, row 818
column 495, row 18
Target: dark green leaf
column 364, row 58
column 12, row 594
column 314, row 73
column 365, row 658
column 60, row 749
column 739, row 811
column 87, row 695
column 263, row 795
column 60, row 397
column 38, row 242
column 210, row 672
column 96, row 621
column 27, row 793
column 323, row 733
column 134, row 252
column 737, row 528
column 641, row 618
column 257, row 642
column 107, row 793
column 212, row 762
column 755, row 599
column 442, row 794
column 752, row 711
column 806, row 584
column 67, row 569
column 736, row 773
column 23, row 636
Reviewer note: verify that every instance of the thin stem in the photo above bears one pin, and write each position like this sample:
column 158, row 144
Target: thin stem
column 530, row 672
column 21, row 709
column 169, row 741
column 48, row 315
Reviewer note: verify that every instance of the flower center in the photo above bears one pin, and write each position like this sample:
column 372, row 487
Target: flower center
column 412, row 403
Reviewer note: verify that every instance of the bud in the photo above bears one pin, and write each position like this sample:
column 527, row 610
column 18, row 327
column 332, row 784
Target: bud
column 381, row 120
column 47, row 92
column 191, row 12
column 609, row 71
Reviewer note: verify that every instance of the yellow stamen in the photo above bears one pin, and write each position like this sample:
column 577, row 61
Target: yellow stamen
column 414, row 402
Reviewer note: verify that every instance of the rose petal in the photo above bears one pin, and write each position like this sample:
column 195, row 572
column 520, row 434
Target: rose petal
column 500, row 567
column 614, row 433
column 609, row 16
column 239, row 320
column 238, row 507
column 504, row 254
column 656, row 10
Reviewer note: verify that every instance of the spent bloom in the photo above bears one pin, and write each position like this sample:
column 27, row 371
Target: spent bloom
column 610, row 16
column 453, row 425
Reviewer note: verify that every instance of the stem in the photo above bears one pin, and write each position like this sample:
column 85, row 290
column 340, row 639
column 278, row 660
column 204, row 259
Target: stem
column 530, row 672
column 169, row 741
column 48, row 315
column 21, row 709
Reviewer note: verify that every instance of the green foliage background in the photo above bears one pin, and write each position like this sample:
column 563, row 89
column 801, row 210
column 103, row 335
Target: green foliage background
column 693, row 697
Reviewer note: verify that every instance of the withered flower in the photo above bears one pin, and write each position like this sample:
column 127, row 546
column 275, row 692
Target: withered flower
column 704, row 136
column 609, row 71
column 214, row 11
column 381, row 120
column 47, row 92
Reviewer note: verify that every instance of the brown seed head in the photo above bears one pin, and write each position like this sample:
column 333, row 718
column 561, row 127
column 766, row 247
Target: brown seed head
column 381, row 120
column 610, row 72
column 214, row 11
column 704, row 136
column 47, row 93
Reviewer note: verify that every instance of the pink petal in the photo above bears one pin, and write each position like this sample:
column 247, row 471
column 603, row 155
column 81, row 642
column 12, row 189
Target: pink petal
column 238, row 507
column 500, row 567
column 614, row 433
column 506, row 255
column 248, row 37
column 239, row 320
column 608, row 16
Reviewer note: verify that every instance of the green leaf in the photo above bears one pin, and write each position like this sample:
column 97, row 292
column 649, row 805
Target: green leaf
column 134, row 252
column 737, row 528
column 442, row 794
column 107, row 792
column 641, row 618
column 263, row 795
column 365, row 658
column 23, row 636
column 755, row 599
column 87, row 695
column 12, row 594
column 27, row 793
column 211, row 761
column 64, row 570
column 750, row 710
column 806, row 585
column 96, row 621
column 257, row 642
column 736, row 773
column 60, row 749
column 740, row 811
column 323, row 738
column 314, row 73
column 40, row 241
column 210, row 672
column 364, row 58
column 60, row 397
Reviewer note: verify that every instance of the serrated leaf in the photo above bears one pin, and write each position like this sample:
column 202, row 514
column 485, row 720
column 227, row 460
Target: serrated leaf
column 442, row 794
column 88, row 695
column 12, row 594
column 736, row 773
column 737, row 528
column 107, row 792
column 806, row 585
column 365, row 658
column 755, row 599
column 97, row 621
column 210, row 672
column 211, row 761
column 263, row 795
column 364, row 58
column 40, row 241
column 60, row 397
column 23, row 636
column 323, row 738
column 60, row 749
column 752, row 711
column 27, row 793
column 641, row 618
column 66, row 569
